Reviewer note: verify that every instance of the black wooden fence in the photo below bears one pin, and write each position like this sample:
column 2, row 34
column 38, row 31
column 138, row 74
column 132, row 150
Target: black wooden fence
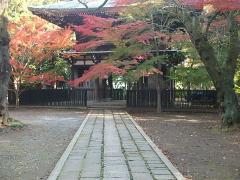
column 118, row 94
column 52, row 97
column 173, row 99
column 61, row 97
column 114, row 94
column 238, row 96
column 170, row 99
column 142, row 98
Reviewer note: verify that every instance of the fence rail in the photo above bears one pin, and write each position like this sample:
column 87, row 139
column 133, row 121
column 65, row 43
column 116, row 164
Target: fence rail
column 141, row 98
column 62, row 97
column 170, row 99
column 52, row 97
column 118, row 94
column 238, row 95
column 114, row 94
column 173, row 99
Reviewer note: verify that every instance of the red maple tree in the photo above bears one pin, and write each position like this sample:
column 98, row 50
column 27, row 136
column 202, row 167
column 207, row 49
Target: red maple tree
column 109, row 30
column 33, row 42
column 103, row 30
column 102, row 70
column 213, row 29
column 208, row 24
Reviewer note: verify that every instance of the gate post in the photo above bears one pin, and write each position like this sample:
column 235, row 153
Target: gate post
column 85, row 97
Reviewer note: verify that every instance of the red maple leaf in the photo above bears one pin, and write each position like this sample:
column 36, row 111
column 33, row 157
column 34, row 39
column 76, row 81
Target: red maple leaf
column 101, row 70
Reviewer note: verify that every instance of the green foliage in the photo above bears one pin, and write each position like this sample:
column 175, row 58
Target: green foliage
column 237, row 78
column 190, row 76
column 119, row 82
column 18, row 8
column 22, row 19
column 124, row 57
column 128, row 51
column 142, row 10
column 56, row 65
column 192, row 72
column 145, row 68
column 15, row 124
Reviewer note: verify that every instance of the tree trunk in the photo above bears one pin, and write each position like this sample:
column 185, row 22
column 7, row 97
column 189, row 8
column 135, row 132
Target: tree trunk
column 221, row 75
column 159, row 79
column 17, row 99
column 17, row 92
column 228, row 103
column 4, row 68
column 159, row 90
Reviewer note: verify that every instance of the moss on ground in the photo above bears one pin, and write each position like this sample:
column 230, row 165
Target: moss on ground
column 15, row 124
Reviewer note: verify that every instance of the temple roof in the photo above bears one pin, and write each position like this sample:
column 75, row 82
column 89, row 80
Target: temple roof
column 70, row 12
column 75, row 4
column 176, row 56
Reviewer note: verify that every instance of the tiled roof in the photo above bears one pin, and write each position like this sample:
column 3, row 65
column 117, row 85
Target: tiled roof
column 74, row 4
column 70, row 12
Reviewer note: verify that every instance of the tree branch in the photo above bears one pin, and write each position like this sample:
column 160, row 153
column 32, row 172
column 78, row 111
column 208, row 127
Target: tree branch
column 102, row 5
column 234, row 47
column 83, row 3
column 200, row 41
column 210, row 20
column 95, row 9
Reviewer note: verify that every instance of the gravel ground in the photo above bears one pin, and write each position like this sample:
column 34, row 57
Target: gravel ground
column 195, row 144
column 30, row 153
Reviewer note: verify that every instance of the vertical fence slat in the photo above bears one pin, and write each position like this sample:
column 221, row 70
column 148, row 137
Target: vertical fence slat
column 52, row 97
column 174, row 99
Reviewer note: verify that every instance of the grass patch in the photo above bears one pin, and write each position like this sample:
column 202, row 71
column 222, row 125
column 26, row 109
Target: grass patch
column 227, row 130
column 15, row 124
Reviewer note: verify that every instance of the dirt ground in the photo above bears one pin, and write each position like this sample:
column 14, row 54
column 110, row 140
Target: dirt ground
column 195, row 144
column 30, row 153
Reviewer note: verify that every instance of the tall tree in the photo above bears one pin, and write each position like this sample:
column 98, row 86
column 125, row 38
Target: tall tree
column 214, row 32
column 28, row 51
column 213, row 29
column 4, row 62
column 131, row 42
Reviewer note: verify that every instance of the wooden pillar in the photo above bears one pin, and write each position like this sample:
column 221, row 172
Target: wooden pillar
column 97, row 89
column 74, row 73
column 104, row 89
column 110, row 81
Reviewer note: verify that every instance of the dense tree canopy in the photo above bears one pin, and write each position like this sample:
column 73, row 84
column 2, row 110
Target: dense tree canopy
column 34, row 60
column 28, row 51
column 210, row 25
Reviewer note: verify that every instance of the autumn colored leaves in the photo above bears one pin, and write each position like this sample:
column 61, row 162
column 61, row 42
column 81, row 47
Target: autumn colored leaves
column 33, row 41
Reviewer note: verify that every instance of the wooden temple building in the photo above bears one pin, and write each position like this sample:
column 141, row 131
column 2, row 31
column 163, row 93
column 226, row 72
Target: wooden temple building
column 65, row 13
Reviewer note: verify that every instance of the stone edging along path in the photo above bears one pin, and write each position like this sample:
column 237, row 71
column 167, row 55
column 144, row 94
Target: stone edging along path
column 111, row 145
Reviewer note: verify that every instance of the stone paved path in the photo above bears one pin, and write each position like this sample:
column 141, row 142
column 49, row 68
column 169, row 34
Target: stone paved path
column 110, row 146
